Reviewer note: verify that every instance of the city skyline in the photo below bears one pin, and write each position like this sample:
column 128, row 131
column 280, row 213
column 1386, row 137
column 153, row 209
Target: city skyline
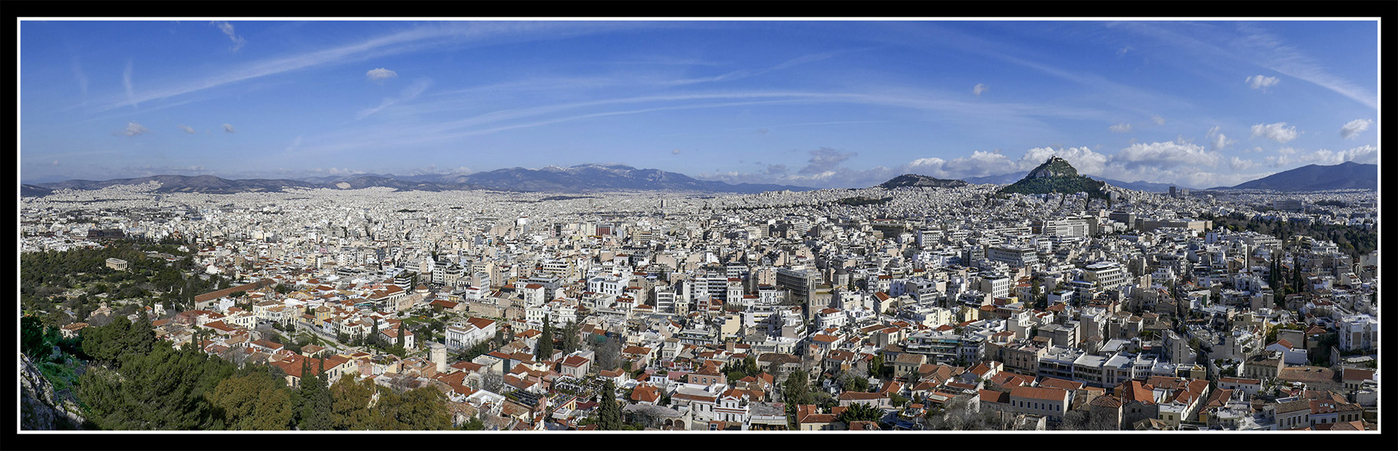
column 818, row 103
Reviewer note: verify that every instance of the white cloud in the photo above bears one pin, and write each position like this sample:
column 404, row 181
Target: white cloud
column 980, row 87
column 1239, row 164
column 1262, row 82
column 1218, row 140
column 1354, row 127
column 1278, row 132
column 133, row 129
column 1165, row 154
column 380, row 74
column 1157, row 120
column 675, row 152
column 1325, row 157
column 186, row 128
column 227, row 29
column 1362, row 154
column 1122, row 127
column 227, row 128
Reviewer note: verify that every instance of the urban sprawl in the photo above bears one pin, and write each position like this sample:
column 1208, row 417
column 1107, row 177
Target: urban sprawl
column 904, row 309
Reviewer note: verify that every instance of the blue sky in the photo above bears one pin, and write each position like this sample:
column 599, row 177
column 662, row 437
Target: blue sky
column 810, row 103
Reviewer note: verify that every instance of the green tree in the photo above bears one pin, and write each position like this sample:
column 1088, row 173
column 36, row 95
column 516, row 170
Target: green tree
column 544, row 349
column 608, row 411
column 162, row 390
column 36, row 340
column 422, row 409
column 570, row 336
column 256, row 401
column 860, row 412
column 313, row 401
column 350, row 404
column 401, row 332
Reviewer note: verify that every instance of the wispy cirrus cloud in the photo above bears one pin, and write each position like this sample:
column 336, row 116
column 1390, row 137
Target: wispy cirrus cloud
column 126, row 83
column 227, row 30
column 80, row 76
column 412, row 91
column 1250, row 43
column 416, row 38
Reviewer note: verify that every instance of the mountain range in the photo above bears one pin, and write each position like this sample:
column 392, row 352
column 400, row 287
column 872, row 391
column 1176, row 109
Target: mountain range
column 1347, row 175
column 604, row 177
column 580, row 178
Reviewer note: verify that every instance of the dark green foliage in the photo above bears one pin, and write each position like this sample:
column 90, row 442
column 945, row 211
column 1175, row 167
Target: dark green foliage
column 738, row 369
column 421, row 409
column 254, row 401
column 36, row 341
column 860, row 412
column 164, row 389
column 1059, row 184
column 313, row 401
column 608, row 411
column 544, row 348
column 114, row 342
column 570, row 337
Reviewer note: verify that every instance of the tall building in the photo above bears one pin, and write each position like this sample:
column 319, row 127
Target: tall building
column 801, row 283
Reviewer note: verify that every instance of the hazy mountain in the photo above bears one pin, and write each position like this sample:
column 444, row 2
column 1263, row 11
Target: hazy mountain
column 597, row 177
column 185, row 184
column 1056, row 176
column 1347, row 175
column 1002, row 179
column 915, row 180
column 1140, row 185
column 581, row 178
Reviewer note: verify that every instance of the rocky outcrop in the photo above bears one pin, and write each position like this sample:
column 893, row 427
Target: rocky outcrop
column 39, row 408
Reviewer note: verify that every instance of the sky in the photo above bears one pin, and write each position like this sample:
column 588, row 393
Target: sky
column 817, row 103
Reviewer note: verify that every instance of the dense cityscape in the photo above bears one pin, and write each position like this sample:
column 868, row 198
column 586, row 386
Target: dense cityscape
column 925, row 309
column 354, row 232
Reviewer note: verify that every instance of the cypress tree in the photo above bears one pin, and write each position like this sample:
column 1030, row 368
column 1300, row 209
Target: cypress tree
column 608, row 412
column 544, row 349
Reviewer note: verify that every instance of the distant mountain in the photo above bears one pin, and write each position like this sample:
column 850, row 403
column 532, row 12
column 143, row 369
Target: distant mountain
column 915, row 180
column 27, row 190
column 1002, row 179
column 1143, row 186
column 1056, row 176
column 185, row 184
column 1005, row 179
column 1347, row 175
column 581, row 178
column 597, row 177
